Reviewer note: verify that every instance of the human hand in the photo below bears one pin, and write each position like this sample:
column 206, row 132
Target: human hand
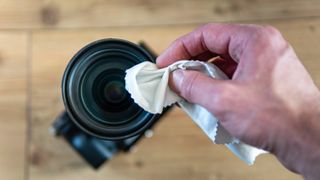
column 271, row 102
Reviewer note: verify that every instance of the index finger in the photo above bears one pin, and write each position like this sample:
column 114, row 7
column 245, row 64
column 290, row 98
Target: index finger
column 219, row 39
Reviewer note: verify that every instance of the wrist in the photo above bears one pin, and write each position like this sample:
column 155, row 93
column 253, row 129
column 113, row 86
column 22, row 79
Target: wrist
column 309, row 166
column 299, row 147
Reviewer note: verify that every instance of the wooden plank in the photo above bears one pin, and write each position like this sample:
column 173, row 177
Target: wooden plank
column 13, row 48
column 178, row 150
column 99, row 13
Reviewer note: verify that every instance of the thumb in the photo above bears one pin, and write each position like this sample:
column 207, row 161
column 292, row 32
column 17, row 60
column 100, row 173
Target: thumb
column 215, row 95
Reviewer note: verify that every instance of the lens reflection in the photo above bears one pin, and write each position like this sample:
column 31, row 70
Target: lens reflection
column 114, row 92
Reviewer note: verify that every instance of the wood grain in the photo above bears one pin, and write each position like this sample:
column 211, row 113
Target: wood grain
column 17, row 14
column 178, row 150
column 13, row 65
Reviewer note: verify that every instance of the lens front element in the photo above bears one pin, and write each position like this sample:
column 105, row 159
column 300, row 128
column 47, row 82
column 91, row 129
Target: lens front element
column 94, row 91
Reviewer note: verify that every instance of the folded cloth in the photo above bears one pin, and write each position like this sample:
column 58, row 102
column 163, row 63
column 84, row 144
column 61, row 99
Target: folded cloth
column 149, row 88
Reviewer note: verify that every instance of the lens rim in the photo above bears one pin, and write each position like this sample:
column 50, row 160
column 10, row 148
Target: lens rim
column 71, row 96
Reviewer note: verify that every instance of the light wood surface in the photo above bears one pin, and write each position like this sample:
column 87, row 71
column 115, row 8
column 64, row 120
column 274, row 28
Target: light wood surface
column 13, row 65
column 178, row 150
column 108, row 13
column 37, row 39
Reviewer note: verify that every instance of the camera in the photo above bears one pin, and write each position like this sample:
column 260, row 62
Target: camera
column 100, row 118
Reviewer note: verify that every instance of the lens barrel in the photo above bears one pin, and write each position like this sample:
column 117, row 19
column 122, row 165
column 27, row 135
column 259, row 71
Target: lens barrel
column 94, row 94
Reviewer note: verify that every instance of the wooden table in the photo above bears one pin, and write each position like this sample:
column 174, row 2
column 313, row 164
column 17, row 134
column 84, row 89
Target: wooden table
column 39, row 37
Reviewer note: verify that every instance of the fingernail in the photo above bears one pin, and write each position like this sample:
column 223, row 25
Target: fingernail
column 175, row 80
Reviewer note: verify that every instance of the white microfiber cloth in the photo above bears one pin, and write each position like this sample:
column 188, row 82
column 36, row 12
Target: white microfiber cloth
column 149, row 88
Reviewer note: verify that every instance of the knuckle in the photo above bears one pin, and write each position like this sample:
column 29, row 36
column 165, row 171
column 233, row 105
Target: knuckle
column 177, row 41
column 208, row 25
column 269, row 37
column 181, row 44
column 217, row 27
column 272, row 31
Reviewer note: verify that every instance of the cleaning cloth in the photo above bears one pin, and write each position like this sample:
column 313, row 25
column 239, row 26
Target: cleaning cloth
column 148, row 86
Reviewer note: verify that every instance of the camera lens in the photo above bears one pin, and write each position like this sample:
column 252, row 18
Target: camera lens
column 94, row 93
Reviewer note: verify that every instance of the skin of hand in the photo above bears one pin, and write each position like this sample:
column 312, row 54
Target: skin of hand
column 270, row 102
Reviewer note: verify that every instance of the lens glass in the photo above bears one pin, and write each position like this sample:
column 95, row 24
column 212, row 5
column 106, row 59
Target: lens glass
column 94, row 90
column 109, row 91
column 103, row 90
column 113, row 92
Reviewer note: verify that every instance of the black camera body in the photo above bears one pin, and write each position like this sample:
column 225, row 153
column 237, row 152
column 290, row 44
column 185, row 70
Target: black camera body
column 101, row 119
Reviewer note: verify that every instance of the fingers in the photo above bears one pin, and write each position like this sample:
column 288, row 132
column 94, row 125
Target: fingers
column 215, row 95
column 214, row 38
